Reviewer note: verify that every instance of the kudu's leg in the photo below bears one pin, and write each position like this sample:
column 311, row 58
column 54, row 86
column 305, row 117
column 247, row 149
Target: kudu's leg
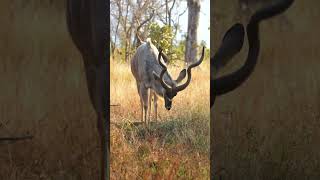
column 105, row 151
column 141, row 107
column 155, row 105
column 144, row 97
column 87, row 24
column 149, row 104
column 96, row 83
column 141, row 102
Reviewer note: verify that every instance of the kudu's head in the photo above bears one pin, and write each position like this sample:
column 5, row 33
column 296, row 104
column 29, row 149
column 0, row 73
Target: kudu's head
column 170, row 91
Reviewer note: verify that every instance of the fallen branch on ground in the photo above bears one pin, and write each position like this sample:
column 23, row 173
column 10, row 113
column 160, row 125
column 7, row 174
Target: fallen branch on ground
column 21, row 138
column 114, row 104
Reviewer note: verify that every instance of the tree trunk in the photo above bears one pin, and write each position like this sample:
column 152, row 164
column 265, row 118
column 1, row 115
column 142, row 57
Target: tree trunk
column 115, row 36
column 170, row 20
column 117, row 28
column 193, row 22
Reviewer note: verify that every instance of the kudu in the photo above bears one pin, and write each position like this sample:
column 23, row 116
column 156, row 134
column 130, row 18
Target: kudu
column 153, row 79
column 231, row 45
column 88, row 23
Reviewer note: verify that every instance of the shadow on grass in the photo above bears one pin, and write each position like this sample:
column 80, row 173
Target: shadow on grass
column 191, row 133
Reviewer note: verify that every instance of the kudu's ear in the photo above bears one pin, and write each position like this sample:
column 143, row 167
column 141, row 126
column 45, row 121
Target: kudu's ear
column 181, row 76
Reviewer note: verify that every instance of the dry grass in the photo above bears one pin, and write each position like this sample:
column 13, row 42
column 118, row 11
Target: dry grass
column 269, row 128
column 44, row 94
column 175, row 148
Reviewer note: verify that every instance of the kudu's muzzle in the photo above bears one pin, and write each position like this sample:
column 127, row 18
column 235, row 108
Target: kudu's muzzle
column 167, row 103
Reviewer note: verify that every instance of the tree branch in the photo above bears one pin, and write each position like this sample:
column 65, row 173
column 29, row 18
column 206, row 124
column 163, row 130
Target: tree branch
column 145, row 21
column 21, row 138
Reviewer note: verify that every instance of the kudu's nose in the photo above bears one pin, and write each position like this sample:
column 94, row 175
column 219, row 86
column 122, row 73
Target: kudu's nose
column 168, row 108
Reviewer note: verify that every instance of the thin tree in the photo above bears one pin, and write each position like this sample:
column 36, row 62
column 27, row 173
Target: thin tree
column 193, row 22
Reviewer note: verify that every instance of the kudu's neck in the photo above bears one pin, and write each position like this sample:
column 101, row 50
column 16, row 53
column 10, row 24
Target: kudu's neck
column 156, row 85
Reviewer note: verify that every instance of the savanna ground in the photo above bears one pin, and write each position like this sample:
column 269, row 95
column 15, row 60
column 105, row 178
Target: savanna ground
column 43, row 93
column 177, row 146
column 269, row 128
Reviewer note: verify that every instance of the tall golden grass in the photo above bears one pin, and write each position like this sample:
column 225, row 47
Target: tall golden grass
column 43, row 93
column 269, row 128
column 177, row 146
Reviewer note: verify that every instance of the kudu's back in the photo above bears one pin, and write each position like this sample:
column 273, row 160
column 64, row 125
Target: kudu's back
column 144, row 62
